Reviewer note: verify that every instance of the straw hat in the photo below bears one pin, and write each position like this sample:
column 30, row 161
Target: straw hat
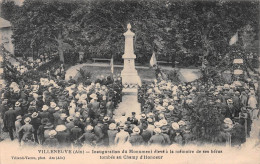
column 150, row 120
column 34, row 115
column 60, row 128
column 157, row 124
column 57, row 108
column 45, row 108
column 150, row 114
column 157, row 130
column 89, row 128
column 27, row 120
column 69, row 119
column 77, row 114
column 165, row 104
column 163, row 122
column 228, row 121
column 170, row 107
column 226, row 86
column 52, row 133
column 175, row 98
column 136, row 130
column 229, row 101
column 63, row 115
column 53, row 104
column 181, row 122
column 19, row 117
column 106, row 118
column 143, row 116
column 17, row 103
column 112, row 126
column 175, row 126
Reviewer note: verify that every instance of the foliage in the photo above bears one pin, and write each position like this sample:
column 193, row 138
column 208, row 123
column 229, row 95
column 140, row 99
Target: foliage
column 8, row 10
column 43, row 27
column 84, row 75
column 175, row 30
column 173, row 75
column 207, row 120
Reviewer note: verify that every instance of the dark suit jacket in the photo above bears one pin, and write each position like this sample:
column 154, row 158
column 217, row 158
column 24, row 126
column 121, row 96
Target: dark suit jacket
column 9, row 118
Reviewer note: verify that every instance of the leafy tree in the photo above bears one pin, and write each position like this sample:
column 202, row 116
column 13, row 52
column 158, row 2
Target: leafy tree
column 175, row 30
column 44, row 26
column 8, row 10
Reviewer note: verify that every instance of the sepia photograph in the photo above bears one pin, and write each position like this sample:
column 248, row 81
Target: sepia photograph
column 129, row 81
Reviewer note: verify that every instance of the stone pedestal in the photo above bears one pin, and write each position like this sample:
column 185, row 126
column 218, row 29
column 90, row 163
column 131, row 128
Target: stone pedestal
column 129, row 73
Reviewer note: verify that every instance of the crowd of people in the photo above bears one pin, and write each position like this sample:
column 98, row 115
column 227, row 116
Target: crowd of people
column 44, row 109
column 200, row 112
column 38, row 106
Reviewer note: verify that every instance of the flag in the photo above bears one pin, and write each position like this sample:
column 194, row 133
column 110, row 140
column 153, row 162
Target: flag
column 234, row 39
column 153, row 61
column 112, row 64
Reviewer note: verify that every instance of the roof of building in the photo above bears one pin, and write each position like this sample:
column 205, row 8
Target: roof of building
column 4, row 23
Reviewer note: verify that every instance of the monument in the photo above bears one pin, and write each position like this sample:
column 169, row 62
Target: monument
column 129, row 73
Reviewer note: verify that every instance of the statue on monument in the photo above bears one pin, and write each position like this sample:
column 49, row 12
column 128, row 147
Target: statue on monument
column 129, row 73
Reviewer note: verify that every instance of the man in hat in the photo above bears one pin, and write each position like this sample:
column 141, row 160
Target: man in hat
column 157, row 138
column 172, row 133
column 9, row 121
column 70, row 122
column 27, row 131
column 88, row 137
column 238, row 135
column 76, row 132
column 123, row 118
column 103, row 105
column 44, row 113
column 245, row 119
column 47, row 128
column 71, row 80
column 94, row 106
column 18, row 124
column 187, row 135
column 128, row 127
column 165, row 135
column 135, row 138
column 109, row 107
column 122, row 137
column 133, row 119
column 62, row 119
column 146, row 134
column 178, row 139
column 51, row 141
column 40, row 131
column 24, row 106
column 230, row 110
column 112, row 134
column 36, row 122
column 17, row 108
column 56, row 115
column 4, row 107
column 63, row 135
column 98, row 131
